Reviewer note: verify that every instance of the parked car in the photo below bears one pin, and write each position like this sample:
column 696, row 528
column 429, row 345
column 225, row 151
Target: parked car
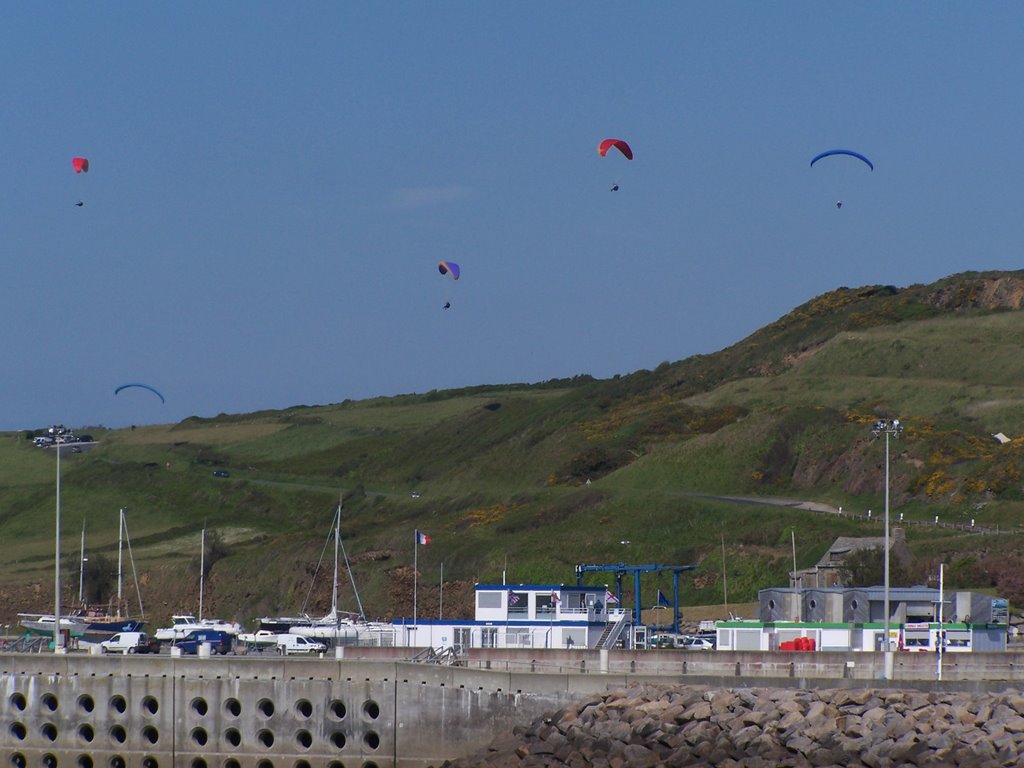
column 296, row 645
column 220, row 642
column 221, row 473
column 694, row 643
column 664, row 641
column 130, row 642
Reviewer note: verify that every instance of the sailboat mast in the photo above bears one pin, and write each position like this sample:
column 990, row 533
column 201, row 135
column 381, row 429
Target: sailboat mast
column 337, row 541
column 135, row 573
column 120, row 540
column 351, row 576
column 202, row 570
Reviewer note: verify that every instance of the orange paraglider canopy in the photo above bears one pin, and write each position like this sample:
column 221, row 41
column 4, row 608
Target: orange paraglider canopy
column 80, row 164
column 619, row 144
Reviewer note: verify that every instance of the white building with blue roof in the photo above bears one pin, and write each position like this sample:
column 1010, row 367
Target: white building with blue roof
column 527, row 616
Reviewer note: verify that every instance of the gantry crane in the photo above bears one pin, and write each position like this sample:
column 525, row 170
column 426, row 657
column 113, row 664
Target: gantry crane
column 621, row 569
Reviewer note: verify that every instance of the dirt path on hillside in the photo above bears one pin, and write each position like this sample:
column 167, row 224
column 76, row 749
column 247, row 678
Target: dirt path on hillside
column 810, row 506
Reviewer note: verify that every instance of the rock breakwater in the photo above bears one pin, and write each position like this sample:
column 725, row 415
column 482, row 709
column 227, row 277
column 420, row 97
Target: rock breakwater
column 648, row 725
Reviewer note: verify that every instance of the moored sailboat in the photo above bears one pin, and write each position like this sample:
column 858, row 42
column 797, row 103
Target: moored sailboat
column 91, row 622
column 302, row 622
column 340, row 627
column 42, row 624
column 104, row 623
column 183, row 623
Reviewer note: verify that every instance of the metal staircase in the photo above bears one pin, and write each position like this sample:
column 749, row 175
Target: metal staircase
column 613, row 631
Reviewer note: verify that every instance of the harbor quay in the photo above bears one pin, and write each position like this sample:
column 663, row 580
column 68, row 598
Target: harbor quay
column 374, row 707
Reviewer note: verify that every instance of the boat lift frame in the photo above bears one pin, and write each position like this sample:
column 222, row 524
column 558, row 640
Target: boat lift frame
column 621, row 569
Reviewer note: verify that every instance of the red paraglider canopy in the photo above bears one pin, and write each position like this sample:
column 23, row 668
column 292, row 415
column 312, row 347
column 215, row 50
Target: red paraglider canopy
column 619, row 144
column 80, row 164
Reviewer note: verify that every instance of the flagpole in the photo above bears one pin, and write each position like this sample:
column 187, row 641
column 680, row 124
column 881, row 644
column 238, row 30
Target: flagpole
column 555, row 600
column 440, row 595
column 415, row 571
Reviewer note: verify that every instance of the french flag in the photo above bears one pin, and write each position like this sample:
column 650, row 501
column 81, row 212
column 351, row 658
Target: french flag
column 422, row 538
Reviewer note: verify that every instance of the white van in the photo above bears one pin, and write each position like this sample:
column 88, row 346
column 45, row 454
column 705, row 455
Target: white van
column 127, row 642
column 295, row 645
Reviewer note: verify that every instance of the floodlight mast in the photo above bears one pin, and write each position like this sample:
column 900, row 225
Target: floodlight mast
column 890, row 428
column 58, row 445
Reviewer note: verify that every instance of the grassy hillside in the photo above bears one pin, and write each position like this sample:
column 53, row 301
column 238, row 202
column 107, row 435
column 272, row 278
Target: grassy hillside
column 502, row 472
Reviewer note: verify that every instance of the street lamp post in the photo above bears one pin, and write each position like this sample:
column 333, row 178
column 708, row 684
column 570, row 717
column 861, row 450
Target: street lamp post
column 82, row 560
column 890, row 428
column 57, row 638
column 58, row 646
column 62, row 440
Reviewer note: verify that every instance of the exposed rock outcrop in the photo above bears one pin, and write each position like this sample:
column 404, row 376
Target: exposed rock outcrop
column 1006, row 292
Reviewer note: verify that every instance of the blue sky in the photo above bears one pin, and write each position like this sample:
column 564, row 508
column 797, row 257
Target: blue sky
column 273, row 184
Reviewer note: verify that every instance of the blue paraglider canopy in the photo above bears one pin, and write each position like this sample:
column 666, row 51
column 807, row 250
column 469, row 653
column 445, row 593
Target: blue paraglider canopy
column 850, row 152
column 141, row 386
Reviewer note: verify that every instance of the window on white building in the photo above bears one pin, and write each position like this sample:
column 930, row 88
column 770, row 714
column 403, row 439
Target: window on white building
column 488, row 600
column 517, row 638
column 518, row 602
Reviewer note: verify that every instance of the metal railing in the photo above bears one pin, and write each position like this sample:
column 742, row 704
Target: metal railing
column 445, row 655
column 25, row 644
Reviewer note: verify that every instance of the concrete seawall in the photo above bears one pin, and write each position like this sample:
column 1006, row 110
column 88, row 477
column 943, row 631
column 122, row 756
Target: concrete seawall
column 251, row 712
column 960, row 671
column 238, row 712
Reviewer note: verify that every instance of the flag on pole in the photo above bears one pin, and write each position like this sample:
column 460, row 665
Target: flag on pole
column 609, row 598
column 513, row 598
column 422, row 538
column 662, row 600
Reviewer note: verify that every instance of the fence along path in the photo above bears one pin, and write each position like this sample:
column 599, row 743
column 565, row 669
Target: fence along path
column 828, row 509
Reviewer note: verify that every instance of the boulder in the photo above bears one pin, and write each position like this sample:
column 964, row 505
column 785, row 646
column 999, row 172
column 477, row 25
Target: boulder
column 641, row 726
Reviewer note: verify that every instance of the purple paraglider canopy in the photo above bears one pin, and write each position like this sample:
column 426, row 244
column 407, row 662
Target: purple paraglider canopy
column 449, row 268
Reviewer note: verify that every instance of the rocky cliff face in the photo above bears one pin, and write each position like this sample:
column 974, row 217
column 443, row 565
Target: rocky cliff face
column 981, row 293
column 651, row 725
